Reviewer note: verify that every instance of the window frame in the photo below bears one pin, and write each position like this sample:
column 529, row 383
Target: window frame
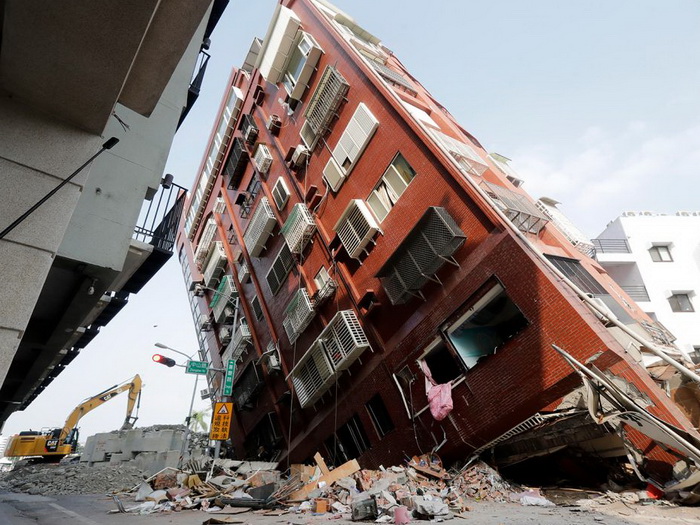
column 657, row 255
column 257, row 312
column 677, row 307
column 388, row 185
column 381, row 429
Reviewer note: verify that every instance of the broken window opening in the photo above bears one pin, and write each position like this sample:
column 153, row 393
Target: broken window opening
column 443, row 363
column 485, row 327
column 379, row 415
column 348, row 442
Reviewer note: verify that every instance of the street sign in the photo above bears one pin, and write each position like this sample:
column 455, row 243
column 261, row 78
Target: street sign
column 228, row 379
column 197, row 367
column 221, row 421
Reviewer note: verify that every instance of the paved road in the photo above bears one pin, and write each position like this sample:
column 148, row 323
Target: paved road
column 25, row 509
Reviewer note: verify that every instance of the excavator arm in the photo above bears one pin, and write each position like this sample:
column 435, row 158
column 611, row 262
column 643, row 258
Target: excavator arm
column 134, row 388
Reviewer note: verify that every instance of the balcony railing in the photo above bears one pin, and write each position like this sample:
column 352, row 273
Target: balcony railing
column 637, row 292
column 611, row 246
column 160, row 221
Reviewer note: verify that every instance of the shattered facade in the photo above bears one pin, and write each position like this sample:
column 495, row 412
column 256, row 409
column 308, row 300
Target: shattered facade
column 349, row 244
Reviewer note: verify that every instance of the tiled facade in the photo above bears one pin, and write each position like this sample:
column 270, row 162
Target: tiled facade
column 381, row 234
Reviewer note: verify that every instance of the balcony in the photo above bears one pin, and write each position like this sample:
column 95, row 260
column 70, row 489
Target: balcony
column 520, row 211
column 323, row 104
column 215, row 264
column 239, row 342
column 613, row 251
column 637, row 292
column 224, row 295
column 236, row 164
column 298, row 315
column 299, row 228
column 430, row 244
column 247, row 387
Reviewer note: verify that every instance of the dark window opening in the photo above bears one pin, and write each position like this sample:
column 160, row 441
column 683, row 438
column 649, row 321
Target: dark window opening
column 379, row 415
column 680, row 302
column 348, row 442
column 444, row 365
column 489, row 324
column 576, row 273
column 257, row 308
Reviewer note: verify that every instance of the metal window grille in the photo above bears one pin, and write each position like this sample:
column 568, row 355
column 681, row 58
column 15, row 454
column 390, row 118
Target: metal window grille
column 239, row 342
column 257, row 308
column 247, row 386
column 280, row 193
column 215, row 264
column 205, row 242
column 612, row 245
column 324, row 103
column 356, row 228
column 298, row 314
column 312, row 376
column 573, row 269
column 236, row 164
column 299, row 228
column 259, row 228
column 394, row 77
column 224, row 295
column 281, row 267
column 430, row 244
column 518, row 208
column 466, row 157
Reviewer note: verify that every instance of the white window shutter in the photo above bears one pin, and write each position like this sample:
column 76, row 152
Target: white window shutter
column 355, row 137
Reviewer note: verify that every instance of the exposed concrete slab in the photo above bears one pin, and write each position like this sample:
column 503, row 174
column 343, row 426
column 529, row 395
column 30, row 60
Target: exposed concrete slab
column 23, row 272
column 45, row 227
column 9, row 341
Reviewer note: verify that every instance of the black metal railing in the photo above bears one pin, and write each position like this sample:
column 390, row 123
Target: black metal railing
column 611, row 246
column 638, row 292
column 160, row 221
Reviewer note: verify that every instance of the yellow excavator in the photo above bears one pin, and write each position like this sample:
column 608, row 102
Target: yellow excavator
column 59, row 442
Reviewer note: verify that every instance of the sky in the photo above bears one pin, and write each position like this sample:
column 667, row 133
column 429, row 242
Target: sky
column 596, row 103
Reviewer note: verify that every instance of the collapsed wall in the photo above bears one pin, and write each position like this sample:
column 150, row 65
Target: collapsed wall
column 150, row 449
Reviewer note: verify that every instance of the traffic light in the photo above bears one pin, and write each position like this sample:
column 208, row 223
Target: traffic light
column 163, row 360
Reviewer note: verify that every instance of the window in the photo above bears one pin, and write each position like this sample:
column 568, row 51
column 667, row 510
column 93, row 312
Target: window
column 322, row 277
column 695, row 356
column 573, row 270
column 280, row 193
column 281, row 267
column 680, row 302
column 486, row 326
column 443, row 364
column 348, row 442
column 380, row 415
column 257, row 308
column 301, row 64
column 661, row 253
column 394, row 182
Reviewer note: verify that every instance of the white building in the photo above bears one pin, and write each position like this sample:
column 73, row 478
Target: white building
column 655, row 258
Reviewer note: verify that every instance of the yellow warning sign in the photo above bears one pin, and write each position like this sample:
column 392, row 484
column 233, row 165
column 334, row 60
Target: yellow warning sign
column 221, row 421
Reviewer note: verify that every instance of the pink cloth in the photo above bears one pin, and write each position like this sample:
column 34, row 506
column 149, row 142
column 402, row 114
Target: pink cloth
column 439, row 396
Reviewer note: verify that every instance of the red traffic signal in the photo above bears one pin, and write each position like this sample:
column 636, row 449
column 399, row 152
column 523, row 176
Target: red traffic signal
column 163, row 360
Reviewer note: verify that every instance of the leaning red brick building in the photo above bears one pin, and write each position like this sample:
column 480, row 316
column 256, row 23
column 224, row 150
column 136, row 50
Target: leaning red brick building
column 347, row 241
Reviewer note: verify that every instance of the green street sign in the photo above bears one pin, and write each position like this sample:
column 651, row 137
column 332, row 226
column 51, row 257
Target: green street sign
column 197, row 367
column 228, row 379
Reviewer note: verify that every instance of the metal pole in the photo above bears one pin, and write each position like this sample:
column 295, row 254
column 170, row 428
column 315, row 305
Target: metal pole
column 186, row 438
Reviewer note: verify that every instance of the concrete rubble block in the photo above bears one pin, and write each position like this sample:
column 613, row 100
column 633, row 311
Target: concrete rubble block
column 165, row 480
column 264, row 477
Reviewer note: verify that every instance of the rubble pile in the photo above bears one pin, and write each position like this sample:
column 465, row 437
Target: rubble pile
column 50, row 479
column 422, row 489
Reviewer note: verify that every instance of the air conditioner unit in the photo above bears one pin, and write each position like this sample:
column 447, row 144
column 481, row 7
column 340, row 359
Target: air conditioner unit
column 199, row 290
column 229, row 315
column 204, row 323
column 262, row 158
column 243, row 273
column 300, row 155
column 274, row 124
column 224, row 335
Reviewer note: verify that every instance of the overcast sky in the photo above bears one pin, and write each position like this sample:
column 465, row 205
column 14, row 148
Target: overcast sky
column 596, row 103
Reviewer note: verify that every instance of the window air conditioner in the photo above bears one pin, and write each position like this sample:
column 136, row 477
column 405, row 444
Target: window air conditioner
column 300, row 155
column 262, row 158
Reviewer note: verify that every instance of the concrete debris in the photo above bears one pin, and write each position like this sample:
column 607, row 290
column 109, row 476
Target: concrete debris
column 49, row 479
